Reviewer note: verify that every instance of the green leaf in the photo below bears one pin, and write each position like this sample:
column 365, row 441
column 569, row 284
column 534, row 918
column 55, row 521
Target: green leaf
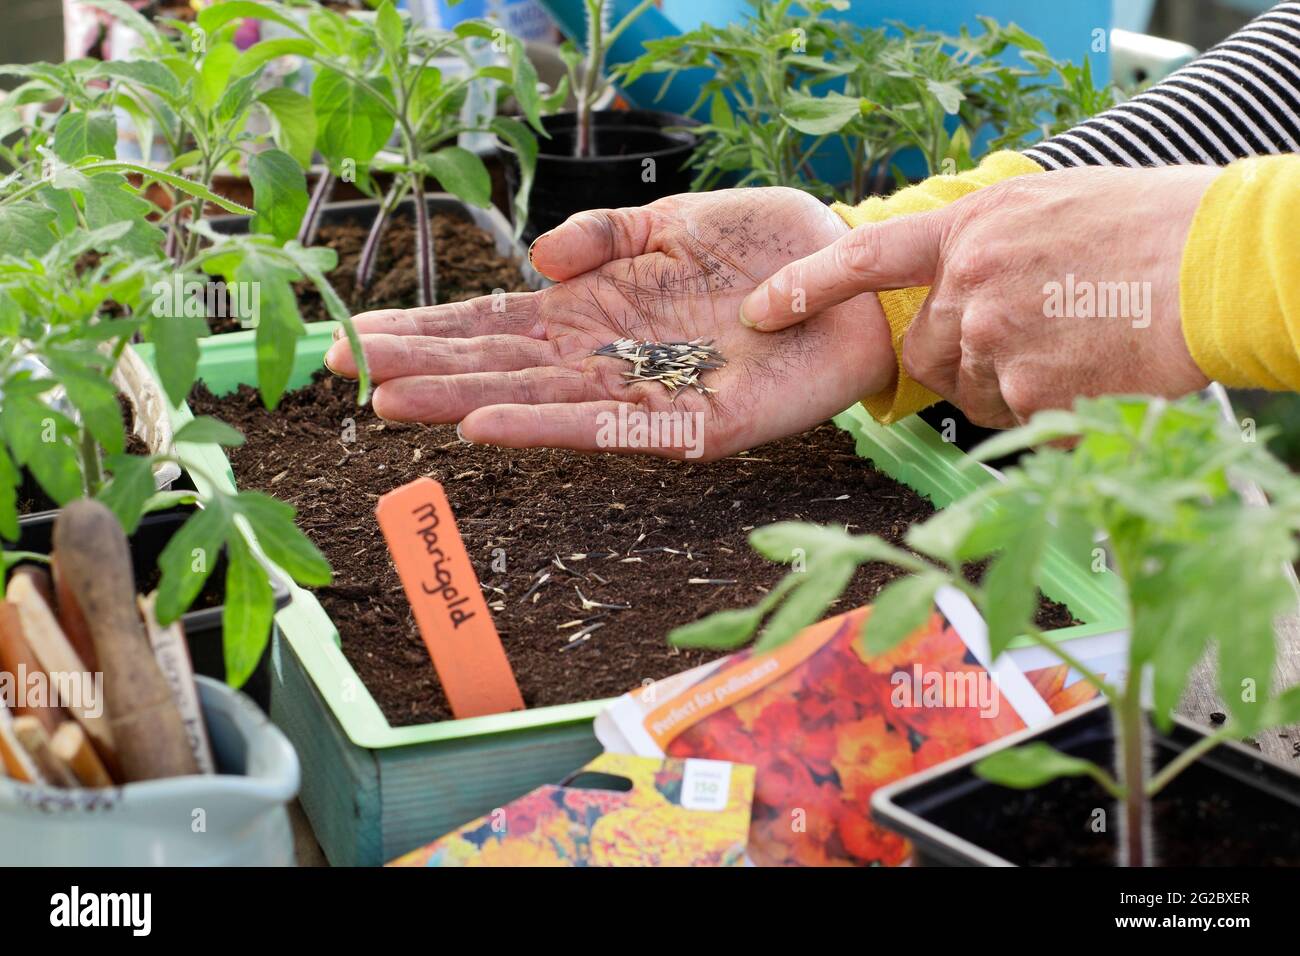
column 189, row 559
column 899, row 610
column 130, row 489
column 188, row 186
column 279, row 324
column 177, row 338
column 295, row 122
column 388, row 27
column 110, row 200
column 722, row 630
column 214, row 75
column 41, row 439
column 720, row 112
column 948, row 95
column 315, row 263
column 281, row 540
column 78, row 135
column 94, row 397
column 1282, row 710
column 249, row 608
column 524, row 85
column 516, row 135
column 264, row 51
column 784, row 541
column 1032, row 765
column 461, row 173
column 1043, row 427
column 826, row 579
column 208, row 430
column 25, row 227
column 352, row 122
column 279, row 193
column 146, row 74
column 1010, row 587
column 821, row 115
column 237, row 98
column 212, row 18
column 9, row 478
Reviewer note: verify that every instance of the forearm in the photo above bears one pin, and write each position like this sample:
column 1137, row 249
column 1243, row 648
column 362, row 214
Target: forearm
column 1240, row 277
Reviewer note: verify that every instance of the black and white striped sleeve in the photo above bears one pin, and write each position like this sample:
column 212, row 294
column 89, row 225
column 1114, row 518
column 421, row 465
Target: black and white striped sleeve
column 1240, row 98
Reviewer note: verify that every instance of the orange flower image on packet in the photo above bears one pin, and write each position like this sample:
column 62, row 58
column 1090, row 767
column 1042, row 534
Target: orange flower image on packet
column 825, row 725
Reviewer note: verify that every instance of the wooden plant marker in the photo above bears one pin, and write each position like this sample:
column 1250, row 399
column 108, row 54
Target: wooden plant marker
column 449, row 607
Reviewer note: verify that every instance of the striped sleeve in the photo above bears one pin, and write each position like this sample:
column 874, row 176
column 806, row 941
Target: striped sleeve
column 1238, row 99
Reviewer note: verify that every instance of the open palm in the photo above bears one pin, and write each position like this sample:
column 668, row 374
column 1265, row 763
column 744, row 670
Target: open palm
column 517, row 370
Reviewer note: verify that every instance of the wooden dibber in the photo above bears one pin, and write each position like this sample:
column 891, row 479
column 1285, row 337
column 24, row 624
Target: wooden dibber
column 18, row 660
column 71, row 619
column 31, row 734
column 95, row 563
column 46, row 639
column 72, row 748
column 14, row 759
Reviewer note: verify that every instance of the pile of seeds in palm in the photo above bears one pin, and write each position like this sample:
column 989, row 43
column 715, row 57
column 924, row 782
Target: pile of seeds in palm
column 674, row 365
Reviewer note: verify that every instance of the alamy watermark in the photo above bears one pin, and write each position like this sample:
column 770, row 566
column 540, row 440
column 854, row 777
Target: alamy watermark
column 177, row 297
column 922, row 688
column 74, row 690
column 633, row 428
column 1083, row 299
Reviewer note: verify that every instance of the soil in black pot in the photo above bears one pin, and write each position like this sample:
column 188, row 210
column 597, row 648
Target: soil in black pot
column 648, row 526
column 465, row 257
column 1203, row 818
column 33, row 499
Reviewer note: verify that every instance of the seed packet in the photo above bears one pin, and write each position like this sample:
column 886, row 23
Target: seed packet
column 825, row 725
column 666, row 812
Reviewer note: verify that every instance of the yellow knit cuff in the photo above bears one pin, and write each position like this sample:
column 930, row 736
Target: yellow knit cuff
column 1239, row 284
column 900, row 306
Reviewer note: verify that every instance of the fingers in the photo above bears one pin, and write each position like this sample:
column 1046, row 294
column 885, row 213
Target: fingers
column 588, row 426
column 932, row 350
column 979, row 393
column 590, row 239
column 511, row 313
column 392, row 356
column 898, row 254
column 953, row 351
column 442, row 399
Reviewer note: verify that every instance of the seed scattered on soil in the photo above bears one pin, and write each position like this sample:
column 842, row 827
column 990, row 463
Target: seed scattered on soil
column 674, row 365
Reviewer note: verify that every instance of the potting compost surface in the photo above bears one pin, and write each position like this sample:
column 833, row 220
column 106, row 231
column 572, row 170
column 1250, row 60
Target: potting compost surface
column 648, row 526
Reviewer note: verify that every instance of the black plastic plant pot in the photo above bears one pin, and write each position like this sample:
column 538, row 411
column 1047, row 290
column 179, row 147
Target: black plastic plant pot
column 639, row 157
column 1233, row 807
column 203, row 630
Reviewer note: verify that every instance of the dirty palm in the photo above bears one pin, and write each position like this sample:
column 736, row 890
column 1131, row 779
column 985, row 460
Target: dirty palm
column 517, row 370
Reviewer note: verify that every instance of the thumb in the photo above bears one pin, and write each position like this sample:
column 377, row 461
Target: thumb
column 590, row 239
column 897, row 254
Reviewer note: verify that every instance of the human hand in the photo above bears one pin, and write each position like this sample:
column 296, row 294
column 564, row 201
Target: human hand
column 517, row 370
column 1004, row 331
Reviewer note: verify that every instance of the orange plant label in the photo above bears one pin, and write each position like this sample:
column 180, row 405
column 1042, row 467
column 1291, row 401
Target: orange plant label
column 444, row 592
